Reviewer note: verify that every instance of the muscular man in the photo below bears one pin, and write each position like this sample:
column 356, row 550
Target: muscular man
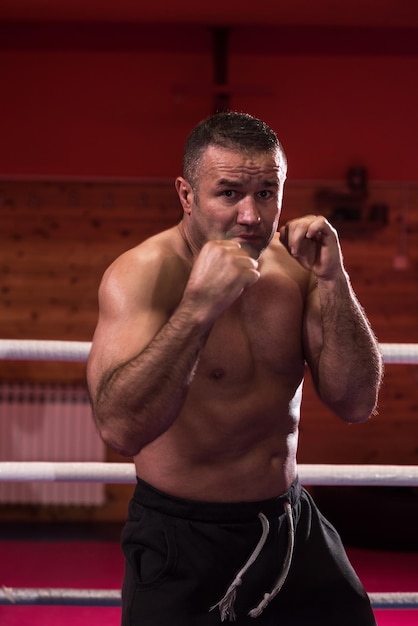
column 196, row 371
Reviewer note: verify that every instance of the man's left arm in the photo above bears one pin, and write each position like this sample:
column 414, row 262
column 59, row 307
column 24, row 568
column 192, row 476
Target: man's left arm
column 340, row 347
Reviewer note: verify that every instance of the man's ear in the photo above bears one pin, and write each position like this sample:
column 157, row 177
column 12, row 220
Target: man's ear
column 185, row 193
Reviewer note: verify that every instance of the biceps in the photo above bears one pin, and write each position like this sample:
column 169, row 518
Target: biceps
column 117, row 341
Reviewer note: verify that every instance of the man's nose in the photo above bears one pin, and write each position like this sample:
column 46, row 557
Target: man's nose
column 248, row 211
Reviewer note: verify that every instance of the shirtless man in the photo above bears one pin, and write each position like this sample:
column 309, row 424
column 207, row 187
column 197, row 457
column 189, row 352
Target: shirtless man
column 196, row 371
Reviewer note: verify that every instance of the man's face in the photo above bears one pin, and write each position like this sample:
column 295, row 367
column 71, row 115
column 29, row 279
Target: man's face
column 237, row 196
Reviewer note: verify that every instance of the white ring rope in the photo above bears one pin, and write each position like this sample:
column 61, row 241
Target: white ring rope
column 44, row 350
column 112, row 597
column 49, row 596
column 400, row 353
column 348, row 475
column 47, row 350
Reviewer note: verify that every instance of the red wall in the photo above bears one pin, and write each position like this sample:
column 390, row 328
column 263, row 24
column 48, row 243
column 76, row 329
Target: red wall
column 97, row 102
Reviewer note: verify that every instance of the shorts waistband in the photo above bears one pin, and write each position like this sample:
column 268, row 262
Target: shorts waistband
column 150, row 497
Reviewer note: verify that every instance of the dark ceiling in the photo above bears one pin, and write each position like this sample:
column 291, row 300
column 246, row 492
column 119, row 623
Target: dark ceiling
column 356, row 13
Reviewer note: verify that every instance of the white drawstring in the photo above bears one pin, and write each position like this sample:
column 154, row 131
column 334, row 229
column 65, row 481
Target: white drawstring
column 226, row 605
column 268, row 597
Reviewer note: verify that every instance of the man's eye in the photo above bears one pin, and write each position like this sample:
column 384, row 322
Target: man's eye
column 265, row 194
column 229, row 193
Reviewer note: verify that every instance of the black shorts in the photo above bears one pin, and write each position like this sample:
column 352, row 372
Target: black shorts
column 181, row 557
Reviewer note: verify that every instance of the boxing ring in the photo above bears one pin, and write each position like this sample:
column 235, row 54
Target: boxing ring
column 342, row 475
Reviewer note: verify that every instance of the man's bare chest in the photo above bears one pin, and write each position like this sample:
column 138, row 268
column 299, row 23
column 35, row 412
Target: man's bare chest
column 263, row 328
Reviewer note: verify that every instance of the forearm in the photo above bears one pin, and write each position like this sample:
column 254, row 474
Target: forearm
column 349, row 368
column 139, row 400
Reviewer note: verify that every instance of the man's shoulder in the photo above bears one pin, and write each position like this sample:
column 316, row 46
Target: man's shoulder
column 157, row 247
column 160, row 258
column 153, row 266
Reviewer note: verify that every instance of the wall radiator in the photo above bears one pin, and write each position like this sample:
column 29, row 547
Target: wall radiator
column 48, row 423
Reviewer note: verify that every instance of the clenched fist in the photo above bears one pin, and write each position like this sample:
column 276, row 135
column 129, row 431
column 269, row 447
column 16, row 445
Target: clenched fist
column 314, row 243
column 220, row 273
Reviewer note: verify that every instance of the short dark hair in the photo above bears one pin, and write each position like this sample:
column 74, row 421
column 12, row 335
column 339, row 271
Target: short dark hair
column 232, row 130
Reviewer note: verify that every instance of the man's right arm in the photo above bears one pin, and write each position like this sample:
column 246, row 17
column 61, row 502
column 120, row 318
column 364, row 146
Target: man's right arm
column 142, row 358
column 143, row 354
column 140, row 398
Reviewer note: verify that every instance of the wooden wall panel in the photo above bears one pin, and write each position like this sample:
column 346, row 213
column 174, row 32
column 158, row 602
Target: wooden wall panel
column 56, row 241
